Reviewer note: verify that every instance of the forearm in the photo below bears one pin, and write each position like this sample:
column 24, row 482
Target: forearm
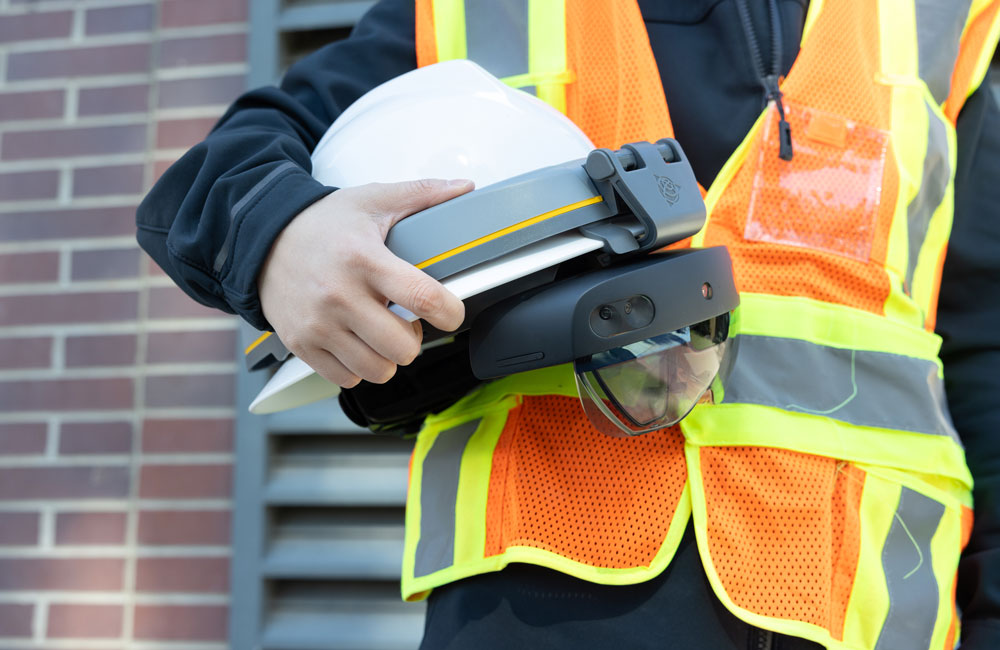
column 211, row 219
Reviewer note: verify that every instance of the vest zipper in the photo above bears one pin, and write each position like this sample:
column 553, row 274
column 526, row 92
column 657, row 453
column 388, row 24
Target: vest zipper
column 769, row 81
column 761, row 639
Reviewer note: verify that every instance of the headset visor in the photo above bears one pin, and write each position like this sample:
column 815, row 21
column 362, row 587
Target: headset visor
column 653, row 383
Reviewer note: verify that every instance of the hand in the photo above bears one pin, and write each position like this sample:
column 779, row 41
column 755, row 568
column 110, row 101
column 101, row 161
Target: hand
column 328, row 278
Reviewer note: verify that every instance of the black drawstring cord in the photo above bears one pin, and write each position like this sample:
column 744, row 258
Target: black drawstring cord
column 769, row 82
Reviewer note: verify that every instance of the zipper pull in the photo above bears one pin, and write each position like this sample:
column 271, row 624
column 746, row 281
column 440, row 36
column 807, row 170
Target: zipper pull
column 784, row 128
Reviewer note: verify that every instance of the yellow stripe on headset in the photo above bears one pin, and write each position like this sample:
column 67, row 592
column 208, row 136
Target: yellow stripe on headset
column 509, row 229
column 260, row 339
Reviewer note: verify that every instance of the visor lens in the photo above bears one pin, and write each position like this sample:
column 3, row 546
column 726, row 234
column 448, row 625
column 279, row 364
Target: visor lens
column 653, row 383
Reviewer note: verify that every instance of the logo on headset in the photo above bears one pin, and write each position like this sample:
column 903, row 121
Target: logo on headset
column 669, row 189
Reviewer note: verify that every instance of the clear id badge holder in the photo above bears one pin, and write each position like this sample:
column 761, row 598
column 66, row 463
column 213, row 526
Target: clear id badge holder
column 826, row 198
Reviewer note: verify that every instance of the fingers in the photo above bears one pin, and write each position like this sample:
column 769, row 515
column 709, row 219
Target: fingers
column 329, row 367
column 347, row 359
column 413, row 289
column 395, row 201
column 389, row 336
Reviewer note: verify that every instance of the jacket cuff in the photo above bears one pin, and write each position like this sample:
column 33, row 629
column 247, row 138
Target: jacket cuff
column 256, row 228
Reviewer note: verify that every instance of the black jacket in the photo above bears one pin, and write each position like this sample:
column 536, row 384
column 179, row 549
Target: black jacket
column 210, row 220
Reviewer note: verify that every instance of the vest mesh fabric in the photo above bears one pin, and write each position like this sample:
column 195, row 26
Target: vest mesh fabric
column 617, row 96
column 561, row 485
column 783, row 531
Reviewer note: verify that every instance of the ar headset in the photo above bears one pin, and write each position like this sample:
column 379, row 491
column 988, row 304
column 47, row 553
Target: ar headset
column 577, row 281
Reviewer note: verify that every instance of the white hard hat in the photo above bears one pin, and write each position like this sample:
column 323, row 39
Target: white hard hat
column 448, row 120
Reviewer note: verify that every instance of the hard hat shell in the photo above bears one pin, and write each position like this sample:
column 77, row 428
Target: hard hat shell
column 448, row 120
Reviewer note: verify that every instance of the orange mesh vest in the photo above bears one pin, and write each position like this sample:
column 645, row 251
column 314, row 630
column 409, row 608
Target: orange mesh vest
column 828, row 489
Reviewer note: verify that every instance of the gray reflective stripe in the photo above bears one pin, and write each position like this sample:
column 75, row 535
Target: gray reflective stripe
column 223, row 255
column 496, row 35
column 933, row 186
column 866, row 388
column 438, row 493
column 939, row 28
column 906, row 562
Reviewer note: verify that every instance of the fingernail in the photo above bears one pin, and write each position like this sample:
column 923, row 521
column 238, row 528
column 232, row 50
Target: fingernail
column 459, row 182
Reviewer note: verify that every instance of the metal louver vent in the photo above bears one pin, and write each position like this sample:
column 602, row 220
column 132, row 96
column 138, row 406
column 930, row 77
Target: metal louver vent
column 319, row 538
column 318, row 521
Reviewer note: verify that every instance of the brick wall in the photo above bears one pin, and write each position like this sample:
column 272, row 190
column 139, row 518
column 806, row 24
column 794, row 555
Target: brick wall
column 116, row 391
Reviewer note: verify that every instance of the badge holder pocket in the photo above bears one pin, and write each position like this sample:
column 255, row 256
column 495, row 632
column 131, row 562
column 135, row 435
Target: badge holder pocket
column 826, row 198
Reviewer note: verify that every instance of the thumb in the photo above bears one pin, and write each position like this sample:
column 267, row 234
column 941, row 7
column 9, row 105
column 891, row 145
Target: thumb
column 392, row 202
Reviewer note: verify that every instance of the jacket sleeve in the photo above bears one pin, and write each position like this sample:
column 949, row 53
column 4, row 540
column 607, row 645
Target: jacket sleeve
column 210, row 220
column 969, row 322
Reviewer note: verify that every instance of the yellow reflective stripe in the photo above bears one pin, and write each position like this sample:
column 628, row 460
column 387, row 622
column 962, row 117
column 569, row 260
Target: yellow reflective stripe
column 539, row 79
column 832, row 325
column 547, row 48
column 925, row 274
column 413, row 514
column 449, row 29
column 812, row 15
column 726, row 175
column 909, row 140
column 898, row 38
column 260, row 339
column 945, row 552
column 509, row 229
column 752, row 424
column 869, row 601
column 474, row 487
column 416, row 588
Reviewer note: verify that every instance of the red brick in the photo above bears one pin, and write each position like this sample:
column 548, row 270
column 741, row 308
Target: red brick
column 95, row 438
column 113, row 99
column 180, row 622
column 174, row 134
column 19, row 438
column 66, row 394
column 62, row 574
column 29, row 267
column 16, row 619
column 106, row 264
column 187, row 13
column 67, row 223
column 78, row 621
column 115, row 20
column 60, row 143
column 23, row 483
column 33, row 26
column 34, row 105
column 187, row 436
column 183, row 575
column 102, row 181
column 33, row 352
column 182, row 93
column 86, row 528
column 107, row 350
column 191, row 390
column 18, row 529
column 184, row 528
column 185, row 482
column 203, row 50
column 21, row 186
column 68, row 308
column 84, row 61
column 175, row 347
column 171, row 302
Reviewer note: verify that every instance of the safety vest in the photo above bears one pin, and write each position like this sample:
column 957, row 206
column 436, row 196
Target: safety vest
column 827, row 486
